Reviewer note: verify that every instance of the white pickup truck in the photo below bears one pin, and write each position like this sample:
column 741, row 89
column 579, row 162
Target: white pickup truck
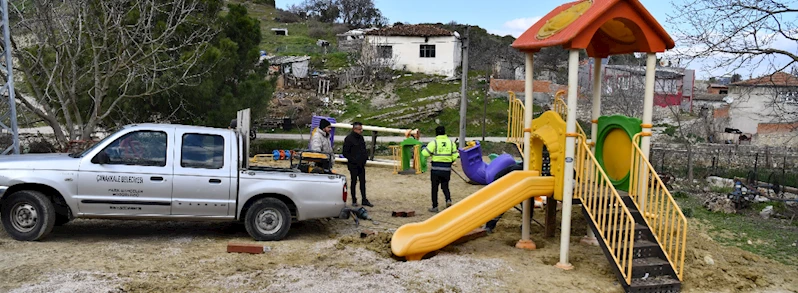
column 162, row 171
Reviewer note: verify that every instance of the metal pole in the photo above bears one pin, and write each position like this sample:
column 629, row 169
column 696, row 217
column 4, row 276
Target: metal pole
column 570, row 148
column 464, row 86
column 485, row 108
column 648, row 107
column 590, row 237
column 525, row 242
column 648, row 103
column 9, row 86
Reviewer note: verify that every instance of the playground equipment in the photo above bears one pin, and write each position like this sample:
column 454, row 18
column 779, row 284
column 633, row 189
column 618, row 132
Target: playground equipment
column 477, row 170
column 643, row 232
column 613, row 146
column 413, row 241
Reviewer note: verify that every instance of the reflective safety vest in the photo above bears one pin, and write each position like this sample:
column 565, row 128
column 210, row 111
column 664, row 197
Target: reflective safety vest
column 443, row 152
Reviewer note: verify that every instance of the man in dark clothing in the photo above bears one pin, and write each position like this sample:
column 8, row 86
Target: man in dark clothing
column 356, row 156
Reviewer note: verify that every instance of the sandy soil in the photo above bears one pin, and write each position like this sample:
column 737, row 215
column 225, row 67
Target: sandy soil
column 328, row 256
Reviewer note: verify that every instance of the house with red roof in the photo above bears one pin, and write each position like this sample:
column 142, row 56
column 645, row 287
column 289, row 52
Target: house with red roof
column 416, row 48
column 764, row 105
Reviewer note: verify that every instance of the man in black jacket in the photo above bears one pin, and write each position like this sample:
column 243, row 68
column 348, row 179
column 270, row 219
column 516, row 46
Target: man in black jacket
column 356, row 156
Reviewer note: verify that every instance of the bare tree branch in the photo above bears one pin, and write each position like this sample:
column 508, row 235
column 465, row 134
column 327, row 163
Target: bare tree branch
column 79, row 59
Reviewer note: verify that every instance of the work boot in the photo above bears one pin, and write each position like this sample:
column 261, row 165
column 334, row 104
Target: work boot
column 433, row 209
column 448, row 203
column 354, row 203
column 368, row 204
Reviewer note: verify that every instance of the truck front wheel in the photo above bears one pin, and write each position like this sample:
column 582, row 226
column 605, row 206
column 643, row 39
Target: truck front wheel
column 268, row 219
column 28, row 215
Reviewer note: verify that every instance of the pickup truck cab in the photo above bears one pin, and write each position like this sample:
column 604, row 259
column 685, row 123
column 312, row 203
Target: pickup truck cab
column 162, row 171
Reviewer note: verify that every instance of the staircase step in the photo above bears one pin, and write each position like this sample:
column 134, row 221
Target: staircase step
column 664, row 284
column 645, row 249
column 653, row 266
column 638, row 218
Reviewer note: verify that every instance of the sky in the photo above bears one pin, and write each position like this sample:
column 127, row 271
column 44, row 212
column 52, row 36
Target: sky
column 513, row 17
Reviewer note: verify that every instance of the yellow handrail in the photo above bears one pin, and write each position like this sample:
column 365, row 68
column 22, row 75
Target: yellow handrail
column 606, row 209
column 561, row 108
column 417, row 158
column 559, row 104
column 515, row 123
column 659, row 209
column 396, row 156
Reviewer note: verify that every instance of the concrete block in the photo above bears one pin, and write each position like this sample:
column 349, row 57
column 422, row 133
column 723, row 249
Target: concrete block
column 366, row 233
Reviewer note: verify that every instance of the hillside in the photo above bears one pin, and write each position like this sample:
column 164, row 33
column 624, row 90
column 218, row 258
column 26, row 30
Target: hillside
column 409, row 100
column 301, row 38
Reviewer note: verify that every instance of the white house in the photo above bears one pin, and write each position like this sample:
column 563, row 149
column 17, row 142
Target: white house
column 415, row 48
column 763, row 105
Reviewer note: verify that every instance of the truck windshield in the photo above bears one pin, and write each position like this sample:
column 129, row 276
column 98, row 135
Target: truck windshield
column 88, row 150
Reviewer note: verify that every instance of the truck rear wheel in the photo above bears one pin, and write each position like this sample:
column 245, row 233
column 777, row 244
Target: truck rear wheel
column 268, row 219
column 28, row 215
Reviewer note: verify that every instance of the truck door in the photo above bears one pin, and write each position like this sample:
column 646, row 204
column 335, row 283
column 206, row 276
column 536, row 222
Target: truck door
column 203, row 173
column 136, row 178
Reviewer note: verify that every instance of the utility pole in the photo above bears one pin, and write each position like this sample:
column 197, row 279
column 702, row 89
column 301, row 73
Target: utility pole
column 485, row 105
column 464, row 81
column 8, row 87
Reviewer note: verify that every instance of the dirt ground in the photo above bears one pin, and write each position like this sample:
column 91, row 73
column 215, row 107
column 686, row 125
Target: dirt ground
column 329, row 256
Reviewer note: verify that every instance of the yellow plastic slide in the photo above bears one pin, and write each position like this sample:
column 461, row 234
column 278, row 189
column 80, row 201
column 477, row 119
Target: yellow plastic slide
column 415, row 240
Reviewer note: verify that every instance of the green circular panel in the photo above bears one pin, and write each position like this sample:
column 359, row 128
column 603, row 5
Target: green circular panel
column 614, row 147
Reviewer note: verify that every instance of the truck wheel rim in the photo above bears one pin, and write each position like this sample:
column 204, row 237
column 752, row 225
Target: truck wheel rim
column 24, row 217
column 269, row 221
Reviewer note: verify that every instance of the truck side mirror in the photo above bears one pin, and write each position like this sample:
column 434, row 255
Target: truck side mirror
column 101, row 158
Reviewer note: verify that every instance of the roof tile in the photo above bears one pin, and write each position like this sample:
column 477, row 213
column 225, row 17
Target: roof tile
column 416, row 30
column 776, row 79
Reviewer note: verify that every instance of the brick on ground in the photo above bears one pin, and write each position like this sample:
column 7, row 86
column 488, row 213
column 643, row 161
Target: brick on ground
column 245, row 248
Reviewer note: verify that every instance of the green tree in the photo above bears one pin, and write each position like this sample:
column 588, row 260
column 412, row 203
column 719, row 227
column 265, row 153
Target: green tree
column 234, row 79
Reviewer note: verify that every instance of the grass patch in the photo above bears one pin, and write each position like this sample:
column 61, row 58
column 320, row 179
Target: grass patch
column 410, row 93
column 772, row 238
column 298, row 42
column 721, row 189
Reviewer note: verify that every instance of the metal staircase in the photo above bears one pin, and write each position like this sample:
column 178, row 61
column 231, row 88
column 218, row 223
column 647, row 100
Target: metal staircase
column 642, row 233
column 631, row 240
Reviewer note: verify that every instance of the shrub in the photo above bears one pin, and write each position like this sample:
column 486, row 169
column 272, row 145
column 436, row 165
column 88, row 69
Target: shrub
column 285, row 16
column 339, row 28
column 317, row 32
column 267, row 2
column 41, row 146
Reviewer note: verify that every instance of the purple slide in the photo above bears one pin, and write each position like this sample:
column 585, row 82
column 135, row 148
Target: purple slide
column 479, row 171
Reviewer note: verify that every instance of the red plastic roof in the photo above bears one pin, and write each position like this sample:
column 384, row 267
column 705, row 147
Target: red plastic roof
column 585, row 32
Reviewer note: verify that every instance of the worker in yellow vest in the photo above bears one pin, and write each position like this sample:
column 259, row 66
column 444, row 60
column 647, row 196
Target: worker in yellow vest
column 444, row 154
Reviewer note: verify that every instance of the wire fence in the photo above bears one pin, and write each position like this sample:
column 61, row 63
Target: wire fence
column 762, row 164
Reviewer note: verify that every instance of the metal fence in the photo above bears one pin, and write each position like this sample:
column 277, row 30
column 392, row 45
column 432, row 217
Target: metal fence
column 761, row 165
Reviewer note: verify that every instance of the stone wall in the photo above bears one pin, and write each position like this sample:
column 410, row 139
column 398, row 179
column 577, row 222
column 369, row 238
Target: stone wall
column 726, row 160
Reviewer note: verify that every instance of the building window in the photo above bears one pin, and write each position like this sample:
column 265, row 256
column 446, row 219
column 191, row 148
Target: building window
column 427, row 51
column 204, row 151
column 385, row 52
